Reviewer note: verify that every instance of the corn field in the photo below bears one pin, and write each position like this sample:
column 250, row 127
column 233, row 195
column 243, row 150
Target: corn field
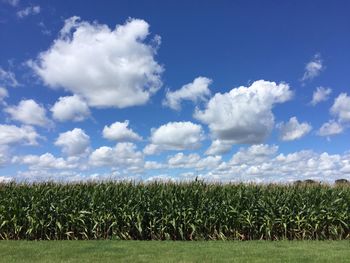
column 173, row 211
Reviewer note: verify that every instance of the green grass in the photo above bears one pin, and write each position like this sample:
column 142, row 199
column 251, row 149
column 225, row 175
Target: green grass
column 174, row 251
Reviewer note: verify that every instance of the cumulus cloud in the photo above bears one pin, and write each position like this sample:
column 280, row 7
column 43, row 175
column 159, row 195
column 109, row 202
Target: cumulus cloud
column 320, row 94
column 182, row 160
column 106, row 67
column 70, row 108
column 119, row 131
column 209, row 162
column 293, row 130
column 29, row 112
column 8, row 78
column 193, row 160
column 124, row 154
column 45, row 161
column 198, row 90
column 219, row 147
column 258, row 163
column 329, row 128
column 74, row 142
column 313, row 68
column 30, row 10
column 11, row 134
column 152, row 165
column 341, row 111
column 263, row 165
column 58, row 175
column 175, row 136
column 254, row 154
column 341, row 108
column 151, row 149
column 244, row 115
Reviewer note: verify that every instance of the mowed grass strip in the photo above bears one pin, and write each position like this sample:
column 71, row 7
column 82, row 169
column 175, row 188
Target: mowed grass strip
column 174, row 251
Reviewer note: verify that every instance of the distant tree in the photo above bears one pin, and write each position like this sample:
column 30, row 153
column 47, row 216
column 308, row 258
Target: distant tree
column 341, row 181
column 310, row 181
column 298, row 182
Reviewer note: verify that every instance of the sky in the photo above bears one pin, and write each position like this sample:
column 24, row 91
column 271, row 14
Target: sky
column 222, row 91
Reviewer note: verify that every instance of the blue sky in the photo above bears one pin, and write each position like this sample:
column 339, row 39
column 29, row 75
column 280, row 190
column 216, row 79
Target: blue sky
column 143, row 90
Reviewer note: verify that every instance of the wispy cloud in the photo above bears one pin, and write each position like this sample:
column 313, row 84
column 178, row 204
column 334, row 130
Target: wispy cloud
column 30, row 10
column 8, row 78
column 313, row 68
column 13, row 3
column 320, row 94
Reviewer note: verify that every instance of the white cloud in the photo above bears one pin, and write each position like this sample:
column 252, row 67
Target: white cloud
column 330, row 128
column 175, row 136
column 74, row 142
column 57, row 175
column 44, row 29
column 8, row 78
column 13, row 3
column 30, row 10
column 209, row 162
column 341, row 108
column 181, row 160
column 161, row 178
column 124, row 154
column 320, row 94
column 257, row 163
column 219, row 147
column 293, row 130
column 198, row 90
column 45, row 161
column 107, row 68
column 152, row 165
column 244, row 115
column 313, row 68
column 263, row 165
column 29, row 112
column 119, row 131
column 341, row 111
column 11, row 134
column 193, row 160
column 254, row 154
column 3, row 94
column 4, row 154
column 70, row 108
column 5, row 179
column 151, row 149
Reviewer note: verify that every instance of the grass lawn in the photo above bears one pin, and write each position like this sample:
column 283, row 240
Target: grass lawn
column 169, row 251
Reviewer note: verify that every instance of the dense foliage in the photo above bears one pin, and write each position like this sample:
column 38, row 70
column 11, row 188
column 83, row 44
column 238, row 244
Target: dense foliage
column 178, row 211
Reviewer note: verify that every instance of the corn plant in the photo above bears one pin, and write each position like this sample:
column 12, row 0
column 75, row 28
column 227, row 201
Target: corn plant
column 173, row 211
